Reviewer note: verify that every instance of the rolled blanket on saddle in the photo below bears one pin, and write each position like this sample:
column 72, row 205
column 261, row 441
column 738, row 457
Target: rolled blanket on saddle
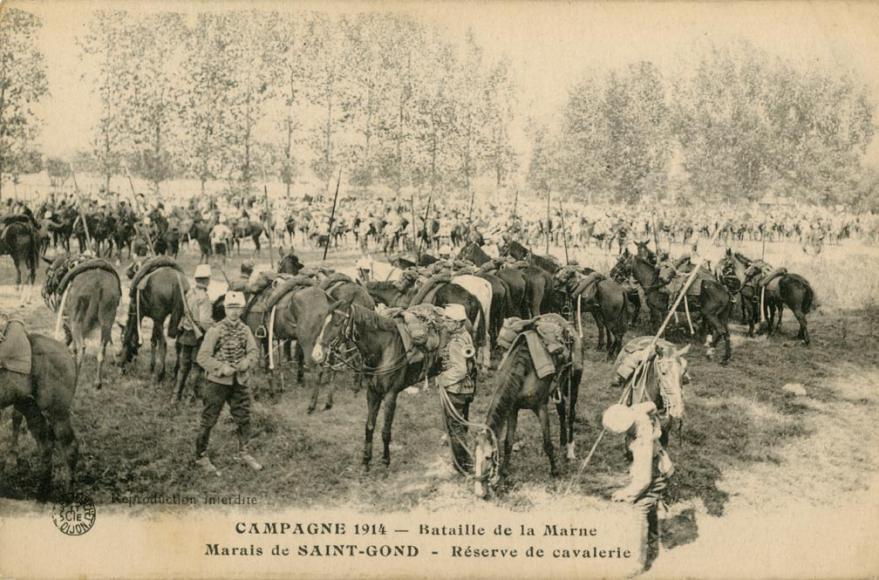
column 64, row 269
column 295, row 283
column 776, row 273
column 334, row 280
column 552, row 341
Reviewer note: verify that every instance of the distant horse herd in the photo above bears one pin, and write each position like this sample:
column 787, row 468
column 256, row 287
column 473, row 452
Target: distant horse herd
column 330, row 321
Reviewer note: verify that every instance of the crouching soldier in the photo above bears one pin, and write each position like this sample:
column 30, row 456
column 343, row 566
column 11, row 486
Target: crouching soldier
column 227, row 353
column 651, row 467
column 457, row 381
column 196, row 321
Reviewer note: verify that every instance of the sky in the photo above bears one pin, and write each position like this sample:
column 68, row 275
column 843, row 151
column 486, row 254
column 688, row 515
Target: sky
column 551, row 44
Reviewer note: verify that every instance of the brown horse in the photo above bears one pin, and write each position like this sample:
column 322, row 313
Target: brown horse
column 45, row 398
column 609, row 309
column 92, row 299
column 161, row 299
column 19, row 239
column 517, row 387
column 377, row 339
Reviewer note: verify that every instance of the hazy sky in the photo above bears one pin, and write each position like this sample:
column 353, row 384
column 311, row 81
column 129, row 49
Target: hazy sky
column 551, row 44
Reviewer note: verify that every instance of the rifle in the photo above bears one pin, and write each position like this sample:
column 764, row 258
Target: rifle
column 187, row 313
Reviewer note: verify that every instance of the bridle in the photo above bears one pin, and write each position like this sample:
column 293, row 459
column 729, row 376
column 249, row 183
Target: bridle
column 344, row 347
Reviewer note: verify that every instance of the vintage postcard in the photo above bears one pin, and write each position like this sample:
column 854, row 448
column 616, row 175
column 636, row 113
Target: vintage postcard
column 439, row 289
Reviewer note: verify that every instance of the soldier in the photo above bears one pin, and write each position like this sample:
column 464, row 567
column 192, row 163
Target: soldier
column 227, row 353
column 196, row 321
column 651, row 467
column 220, row 233
column 456, row 379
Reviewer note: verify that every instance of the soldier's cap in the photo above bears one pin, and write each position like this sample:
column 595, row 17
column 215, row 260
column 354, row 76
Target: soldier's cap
column 618, row 418
column 234, row 300
column 202, row 271
column 455, row 312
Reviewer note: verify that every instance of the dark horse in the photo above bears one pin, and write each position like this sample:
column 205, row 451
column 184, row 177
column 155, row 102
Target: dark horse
column 19, row 239
column 608, row 307
column 795, row 292
column 518, row 251
column 377, row 339
column 517, row 287
column 45, row 398
column 713, row 303
column 516, row 387
column 160, row 299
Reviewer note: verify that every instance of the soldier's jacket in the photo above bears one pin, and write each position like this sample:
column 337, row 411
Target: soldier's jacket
column 213, row 356
column 199, row 304
column 456, row 376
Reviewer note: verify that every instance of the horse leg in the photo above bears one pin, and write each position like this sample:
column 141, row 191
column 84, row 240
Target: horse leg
column 300, row 363
column 543, row 415
column 39, row 428
column 331, row 389
column 373, row 403
column 563, row 425
column 14, row 458
column 509, row 440
column 804, row 331
column 65, row 440
column 390, row 408
column 599, row 322
column 315, row 391
column 160, row 347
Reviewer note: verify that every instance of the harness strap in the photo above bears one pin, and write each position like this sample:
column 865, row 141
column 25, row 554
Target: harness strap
column 61, row 314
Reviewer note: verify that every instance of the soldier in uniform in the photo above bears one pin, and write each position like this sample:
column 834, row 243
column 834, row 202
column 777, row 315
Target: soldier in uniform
column 195, row 323
column 457, row 380
column 650, row 469
column 227, row 353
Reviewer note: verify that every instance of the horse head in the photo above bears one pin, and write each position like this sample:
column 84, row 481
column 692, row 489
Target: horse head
column 485, row 463
column 671, row 367
column 338, row 326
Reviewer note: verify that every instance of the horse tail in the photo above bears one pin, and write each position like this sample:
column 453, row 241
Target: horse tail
column 808, row 293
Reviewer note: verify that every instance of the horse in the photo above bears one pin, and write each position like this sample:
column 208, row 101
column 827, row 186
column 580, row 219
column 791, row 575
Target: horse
column 377, row 339
column 609, row 309
column 18, row 238
column 795, row 292
column 390, row 294
column 516, row 386
column 732, row 272
column 202, row 232
column 516, row 250
column 160, row 299
column 713, row 303
column 44, row 398
column 516, row 285
column 92, row 297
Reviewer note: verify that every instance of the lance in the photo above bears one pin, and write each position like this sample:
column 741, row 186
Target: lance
column 655, row 233
column 426, row 213
column 516, row 202
column 270, row 227
column 332, row 215
column 414, row 226
column 548, row 198
column 564, row 231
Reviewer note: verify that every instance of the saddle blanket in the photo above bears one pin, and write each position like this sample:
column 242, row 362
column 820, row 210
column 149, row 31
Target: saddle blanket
column 587, row 287
column 543, row 363
column 15, row 348
column 634, row 352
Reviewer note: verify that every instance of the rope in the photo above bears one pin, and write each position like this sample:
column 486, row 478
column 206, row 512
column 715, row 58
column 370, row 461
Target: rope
column 687, row 311
column 271, row 338
column 137, row 304
column 579, row 315
column 58, row 335
column 641, row 365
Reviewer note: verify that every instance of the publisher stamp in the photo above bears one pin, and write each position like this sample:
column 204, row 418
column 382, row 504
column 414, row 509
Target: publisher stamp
column 75, row 517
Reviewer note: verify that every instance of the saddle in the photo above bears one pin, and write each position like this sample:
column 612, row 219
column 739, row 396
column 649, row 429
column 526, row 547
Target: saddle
column 429, row 287
column 421, row 330
column 141, row 275
column 587, row 286
column 333, row 281
column 15, row 347
column 552, row 341
column 637, row 351
column 289, row 285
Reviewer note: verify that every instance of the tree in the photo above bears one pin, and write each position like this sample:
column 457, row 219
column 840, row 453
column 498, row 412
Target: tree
column 22, row 84
column 155, row 99
column 108, row 41
column 496, row 148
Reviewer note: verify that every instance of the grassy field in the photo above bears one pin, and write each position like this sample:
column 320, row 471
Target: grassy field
column 746, row 443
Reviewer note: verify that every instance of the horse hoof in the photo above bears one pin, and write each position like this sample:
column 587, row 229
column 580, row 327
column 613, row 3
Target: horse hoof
column 328, row 406
column 311, row 410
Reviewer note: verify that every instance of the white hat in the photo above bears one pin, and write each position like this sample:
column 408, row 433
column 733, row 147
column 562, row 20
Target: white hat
column 455, row 312
column 618, row 418
column 234, row 300
column 203, row 271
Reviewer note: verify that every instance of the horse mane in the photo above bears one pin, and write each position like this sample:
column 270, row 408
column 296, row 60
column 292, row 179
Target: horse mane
column 508, row 381
column 742, row 258
column 371, row 320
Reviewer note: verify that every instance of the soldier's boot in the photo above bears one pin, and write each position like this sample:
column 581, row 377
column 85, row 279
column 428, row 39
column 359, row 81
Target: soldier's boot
column 204, row 462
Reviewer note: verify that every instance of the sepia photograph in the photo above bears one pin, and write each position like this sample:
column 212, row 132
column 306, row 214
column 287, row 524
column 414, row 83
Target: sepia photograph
column 450, row 289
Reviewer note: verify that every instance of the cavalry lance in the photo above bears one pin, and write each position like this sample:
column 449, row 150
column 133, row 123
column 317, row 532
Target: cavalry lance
column 332, row 216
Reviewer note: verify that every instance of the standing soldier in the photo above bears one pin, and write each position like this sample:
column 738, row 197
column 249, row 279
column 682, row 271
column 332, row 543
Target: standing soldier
column 651, row 467
column 220, row 235
column 228, row 352
column 196, row 321
column 457, row 380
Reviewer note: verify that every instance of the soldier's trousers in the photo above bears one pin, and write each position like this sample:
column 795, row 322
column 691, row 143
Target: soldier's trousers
column 186, row 359
column 458, row 431
column 647, row 505
column 215, row 397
